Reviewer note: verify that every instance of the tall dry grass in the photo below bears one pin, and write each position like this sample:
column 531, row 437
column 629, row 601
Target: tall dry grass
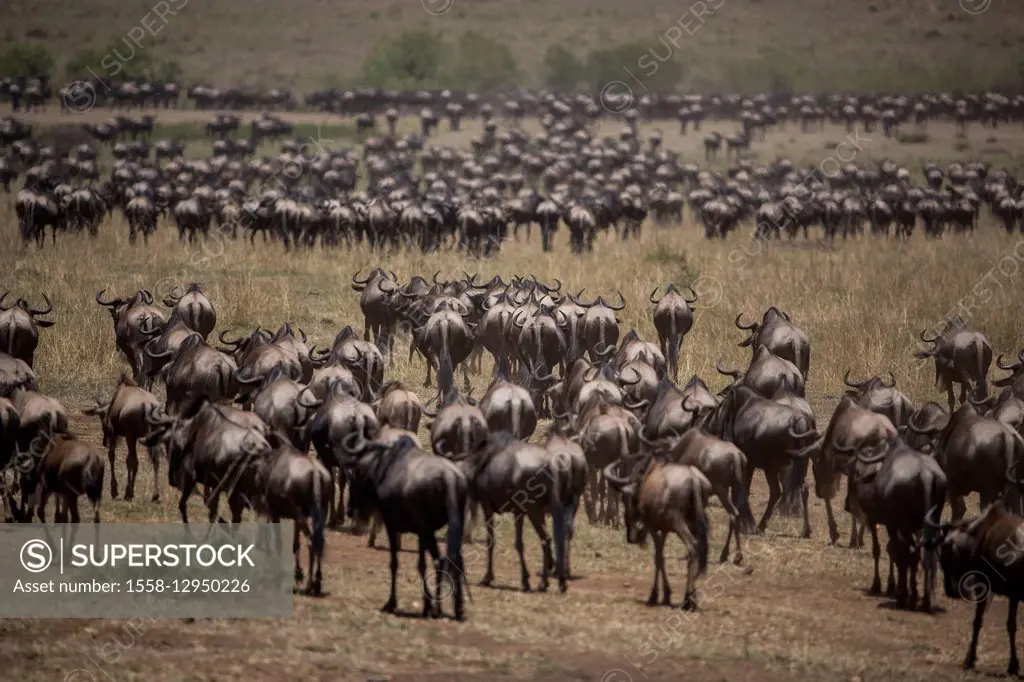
column 863, row 302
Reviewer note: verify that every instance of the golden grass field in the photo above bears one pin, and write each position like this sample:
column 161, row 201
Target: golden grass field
column 800, row 615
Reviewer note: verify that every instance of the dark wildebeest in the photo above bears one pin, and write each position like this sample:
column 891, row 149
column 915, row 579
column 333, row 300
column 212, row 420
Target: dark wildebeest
column 780, row 336
column 509, row 476
column 399, row 406
column 673, row 318
column 414, row 492
column 662, row 498
column 124, row 416
column 131, row 318
column 291, row 485
column 902, row 489
column 961, row 356
column 987, row 549
column 19, row 328
column 975, row 450
column 193, row 308
column 67, row 467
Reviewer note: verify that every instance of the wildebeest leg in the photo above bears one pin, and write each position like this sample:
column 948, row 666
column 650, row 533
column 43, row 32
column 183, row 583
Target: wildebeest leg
column 421, row 566
column 132, row 464
column 296, row 552
column 659, row 567
column 689, row 602
column 188, row 485
column 979, row 617
column 489, row 522
column 774, row 495
column 154, row 458
column 236, row 504
column 805, row 493
column 890, row 585
column 959, row 506
column 524, row 572
column 589, row 494
column 44, row 497
column 71, row 505
column 435, row 557
column 1011, row 630
column 876, row 553
column 898, row 552
column 395, row 546
column 375, row 523
column 111, row 449
column 537, row 520
column 914, row 554
column 747, row 520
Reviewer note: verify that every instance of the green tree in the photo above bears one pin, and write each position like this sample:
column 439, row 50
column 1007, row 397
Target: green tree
column 413, row 59
column 26, row 60
column 639, row 61
column 562, row 70
column 480, row 63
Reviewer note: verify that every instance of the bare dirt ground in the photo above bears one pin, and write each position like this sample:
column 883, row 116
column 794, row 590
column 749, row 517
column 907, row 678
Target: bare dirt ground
column 802, row 613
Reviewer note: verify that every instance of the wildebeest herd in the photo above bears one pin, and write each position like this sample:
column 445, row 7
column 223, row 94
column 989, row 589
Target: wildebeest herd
column 238, row 419
column 399, row 191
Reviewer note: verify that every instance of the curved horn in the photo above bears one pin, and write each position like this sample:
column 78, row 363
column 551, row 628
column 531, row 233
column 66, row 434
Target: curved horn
column 639, row 405
column 852, row 384
column 1011, row 477
column 892, row 381
column 927, row 339
column 613, row 478
column 156, row 356
column 441, row 452
column 2, row 297
column 734, row 373
column 309, row 406
column 693, row 296
column 427, row 412
column 800, row 436
column 356, row 280
column 435, row 278
column 1013, row 367
column 872, row 459
column 109, row 304
column 34, row 311
column 147, row 297
column 228, row 342
column 621, row 305
column 747, row 327
column 651, row 297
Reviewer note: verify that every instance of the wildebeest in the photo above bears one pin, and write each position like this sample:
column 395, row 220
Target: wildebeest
column 19, row 327
column 414, row 492
column 131, row 317
column 987, row 550
column 780, row 336
column 65, row 466
column 662, row 498
column 289, row 484
column 961, row 356
column 124, row 416
column 193, row 308
column 399, row 406
column 673, row 318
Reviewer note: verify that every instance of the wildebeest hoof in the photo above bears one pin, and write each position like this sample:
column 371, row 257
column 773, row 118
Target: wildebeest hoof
column 652, row 600
column 805, row 533
column 389, row 607
column 487, row 580
column 155, row 498
column 738, row 560
column 526, row 586
column 1014, row 669
column 689, row 604
column 969, row 663
column 723, row 557
column 563, row 586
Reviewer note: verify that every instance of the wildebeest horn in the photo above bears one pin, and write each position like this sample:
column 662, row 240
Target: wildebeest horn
column 34, row 311
column 247, row 381
column 319, row 354
column 853, row 384
column 394, row 276
column 309, row 406
column 614, row 478
column 621, row 305
column 146, row 296
column 441, row 452
column 872, row 459
column 602, row 349
column 156, row 356
column 538, row 377
column 228, row 342
column 999, row 361
column 109, row 304
column 428, row 412
column 435, row 277
column 392, row 287
column 356, row 280
column 639, row 405
column 651, row 297
column 1012, row 478
column 892, row 380
column 734, row 373
column 740, row 325
column 351, row 445
column 927, row 339
column 623, row 379
column 2, row 297
column 800, row 436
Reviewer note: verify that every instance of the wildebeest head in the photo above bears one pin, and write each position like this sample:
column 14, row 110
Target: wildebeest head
column 33, row 313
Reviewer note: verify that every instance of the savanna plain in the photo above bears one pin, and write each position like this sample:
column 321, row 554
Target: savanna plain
column 802, row 613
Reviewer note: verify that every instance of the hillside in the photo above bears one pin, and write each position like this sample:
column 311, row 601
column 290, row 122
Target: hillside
column 743, row 44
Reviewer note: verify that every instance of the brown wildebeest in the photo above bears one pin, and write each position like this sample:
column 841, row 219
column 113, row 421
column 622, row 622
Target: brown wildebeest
column 65, row 466
column 289, row 484
column 663, row 498
column 124, row 416
column 399, row 406
column 978, row 547
column 131, row 316
column 19, row 327
column 193, row 308
column 961, row 357
column 782, row 338
column 673, row 319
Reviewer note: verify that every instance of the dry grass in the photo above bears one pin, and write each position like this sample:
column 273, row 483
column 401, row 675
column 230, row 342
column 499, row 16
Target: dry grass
column 746, row 44
column 800, row 615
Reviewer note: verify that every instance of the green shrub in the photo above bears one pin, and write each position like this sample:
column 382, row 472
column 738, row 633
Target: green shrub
column 26, row 60
column 562, row 70
column 480, row 63
column 413, row 59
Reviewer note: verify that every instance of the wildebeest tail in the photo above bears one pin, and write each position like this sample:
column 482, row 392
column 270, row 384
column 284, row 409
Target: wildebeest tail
column 701, row 529
column 673, row 348
column 452, row 563
column 92, row 481
column 1014, row 449
column 445, row 369
column 741, row 496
